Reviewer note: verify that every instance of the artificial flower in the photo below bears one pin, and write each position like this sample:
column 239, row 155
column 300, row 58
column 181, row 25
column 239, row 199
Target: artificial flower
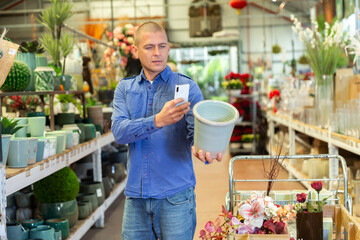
column 301, row 197
column 317, row 185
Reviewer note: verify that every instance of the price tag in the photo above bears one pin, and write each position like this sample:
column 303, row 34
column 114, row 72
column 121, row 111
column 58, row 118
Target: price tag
column 28, row 173
column 98, row 192
column 12, row 51
column 47, row 164
column 41, row 166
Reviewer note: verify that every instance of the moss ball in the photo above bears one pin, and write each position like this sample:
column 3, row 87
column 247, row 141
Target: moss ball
column 61, row 186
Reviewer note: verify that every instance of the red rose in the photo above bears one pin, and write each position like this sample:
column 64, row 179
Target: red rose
column 317, row 185
column 301, row 197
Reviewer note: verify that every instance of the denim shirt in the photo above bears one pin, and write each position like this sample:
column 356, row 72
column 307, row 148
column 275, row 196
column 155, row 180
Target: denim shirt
column 160, row 162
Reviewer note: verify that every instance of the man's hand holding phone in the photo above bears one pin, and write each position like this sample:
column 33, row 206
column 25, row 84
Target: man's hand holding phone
column 174, row 110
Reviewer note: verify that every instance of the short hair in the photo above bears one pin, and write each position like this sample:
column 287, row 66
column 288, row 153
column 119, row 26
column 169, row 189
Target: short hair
column 147, row 27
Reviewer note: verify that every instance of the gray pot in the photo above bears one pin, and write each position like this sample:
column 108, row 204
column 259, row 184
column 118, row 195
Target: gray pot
column 84, row 210
column 24, row 200
column 94, row 187
column 90, row 197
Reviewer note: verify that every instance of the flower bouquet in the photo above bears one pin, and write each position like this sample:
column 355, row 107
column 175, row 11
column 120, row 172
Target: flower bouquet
column 256, row 215
column 309, row 214
column 237, row 81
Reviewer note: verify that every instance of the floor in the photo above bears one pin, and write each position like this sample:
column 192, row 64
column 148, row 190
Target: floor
column 212, row 186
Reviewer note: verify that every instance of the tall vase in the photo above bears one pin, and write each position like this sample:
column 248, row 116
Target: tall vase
column 309, row 226
column 29, row 59
column 324, row 99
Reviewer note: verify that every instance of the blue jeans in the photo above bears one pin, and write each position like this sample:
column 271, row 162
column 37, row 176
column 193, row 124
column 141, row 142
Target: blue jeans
column 172, row 218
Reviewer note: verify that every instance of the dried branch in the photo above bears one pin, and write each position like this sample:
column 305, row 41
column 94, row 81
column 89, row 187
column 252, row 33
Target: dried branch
column 275, row 166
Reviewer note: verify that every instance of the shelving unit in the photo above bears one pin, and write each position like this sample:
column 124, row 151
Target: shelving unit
column 16, row 179
column 51, row 95
column 83, row 226
column 334, row 140
column 253, row 123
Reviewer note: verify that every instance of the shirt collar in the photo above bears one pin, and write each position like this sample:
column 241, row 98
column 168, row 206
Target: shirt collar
column 164, row 75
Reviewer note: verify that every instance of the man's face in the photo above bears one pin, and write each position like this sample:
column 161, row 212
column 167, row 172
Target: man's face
column 153, row 51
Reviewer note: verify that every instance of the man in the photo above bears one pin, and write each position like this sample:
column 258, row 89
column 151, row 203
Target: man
column 160, row 199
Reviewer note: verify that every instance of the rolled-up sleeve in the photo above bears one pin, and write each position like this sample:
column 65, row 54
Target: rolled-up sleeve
column 125, row 129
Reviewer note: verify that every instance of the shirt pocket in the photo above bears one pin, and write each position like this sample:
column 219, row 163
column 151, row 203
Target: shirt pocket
column 160, row 100
column 135, row 102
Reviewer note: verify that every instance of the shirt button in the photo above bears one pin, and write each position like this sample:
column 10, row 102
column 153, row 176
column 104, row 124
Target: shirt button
column 152, row 128
column 147, row 129
column 149, row 87
column 135, row 135
column 146, row 138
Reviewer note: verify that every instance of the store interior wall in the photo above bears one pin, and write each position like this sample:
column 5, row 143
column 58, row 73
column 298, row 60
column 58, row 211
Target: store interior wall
column 258, row 30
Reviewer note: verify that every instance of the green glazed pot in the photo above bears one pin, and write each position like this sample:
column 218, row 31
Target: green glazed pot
column 68, row 210
column 32, row 223
column 60, row 224
column 43, row 232
column 44, row 78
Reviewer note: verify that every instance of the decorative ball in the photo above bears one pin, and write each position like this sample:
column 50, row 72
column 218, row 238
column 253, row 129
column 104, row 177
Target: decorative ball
column 61, row 186
column 18, row 78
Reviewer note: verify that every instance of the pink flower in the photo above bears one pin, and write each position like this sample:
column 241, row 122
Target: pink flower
column 209, row 226
column 317, row 185
column 244, row 229
column 253, row 212
column 301, row 197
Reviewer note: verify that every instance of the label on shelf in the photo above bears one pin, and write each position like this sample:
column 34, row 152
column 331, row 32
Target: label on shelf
column 98, row 192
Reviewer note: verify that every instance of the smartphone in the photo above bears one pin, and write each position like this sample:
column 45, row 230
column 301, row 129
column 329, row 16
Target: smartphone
column 182, row 91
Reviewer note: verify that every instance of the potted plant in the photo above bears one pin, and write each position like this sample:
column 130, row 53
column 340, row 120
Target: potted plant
column 94, row 111
column 56, row 43
column 65, row 117
column 57, row 195
column 26, row 54
column 106, row 94
column 8, row 128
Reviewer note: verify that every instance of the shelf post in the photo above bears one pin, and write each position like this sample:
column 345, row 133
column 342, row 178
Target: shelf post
column 2, row 202
column 96, row 157
column 291, row 148
column 52, row 116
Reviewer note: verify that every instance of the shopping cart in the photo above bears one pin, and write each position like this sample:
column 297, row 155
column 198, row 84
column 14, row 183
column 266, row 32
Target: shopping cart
column 233, row 197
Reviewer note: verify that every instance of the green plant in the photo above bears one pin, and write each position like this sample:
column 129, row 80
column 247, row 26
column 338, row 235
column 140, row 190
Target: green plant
column 303, row 60
column 91, row 102
column 66, row 98
column 61, row 186
column 276, row 48
column 9, row 126
column 113, row 84
column 57, row 44
column 18, row 78
column 31, row 47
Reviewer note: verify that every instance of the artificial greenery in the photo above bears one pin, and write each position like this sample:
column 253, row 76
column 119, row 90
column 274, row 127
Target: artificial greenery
column 66, row 98
column 276, row 48
column 61, row 186
column 31, row 47
column 9, row 126
column 57, row 44
column 91, row 102
column 303, row 59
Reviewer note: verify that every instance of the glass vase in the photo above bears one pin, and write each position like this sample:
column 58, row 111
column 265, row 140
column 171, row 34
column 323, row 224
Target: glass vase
column 324, row 98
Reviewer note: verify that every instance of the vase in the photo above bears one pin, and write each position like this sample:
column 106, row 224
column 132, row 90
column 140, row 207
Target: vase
column 68, row 210
column 214, row 124
column 29, row 59
column 324, row 99
column 309, row 225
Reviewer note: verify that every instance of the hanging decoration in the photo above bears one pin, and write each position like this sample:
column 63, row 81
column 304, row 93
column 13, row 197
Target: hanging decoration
column 238, row 5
